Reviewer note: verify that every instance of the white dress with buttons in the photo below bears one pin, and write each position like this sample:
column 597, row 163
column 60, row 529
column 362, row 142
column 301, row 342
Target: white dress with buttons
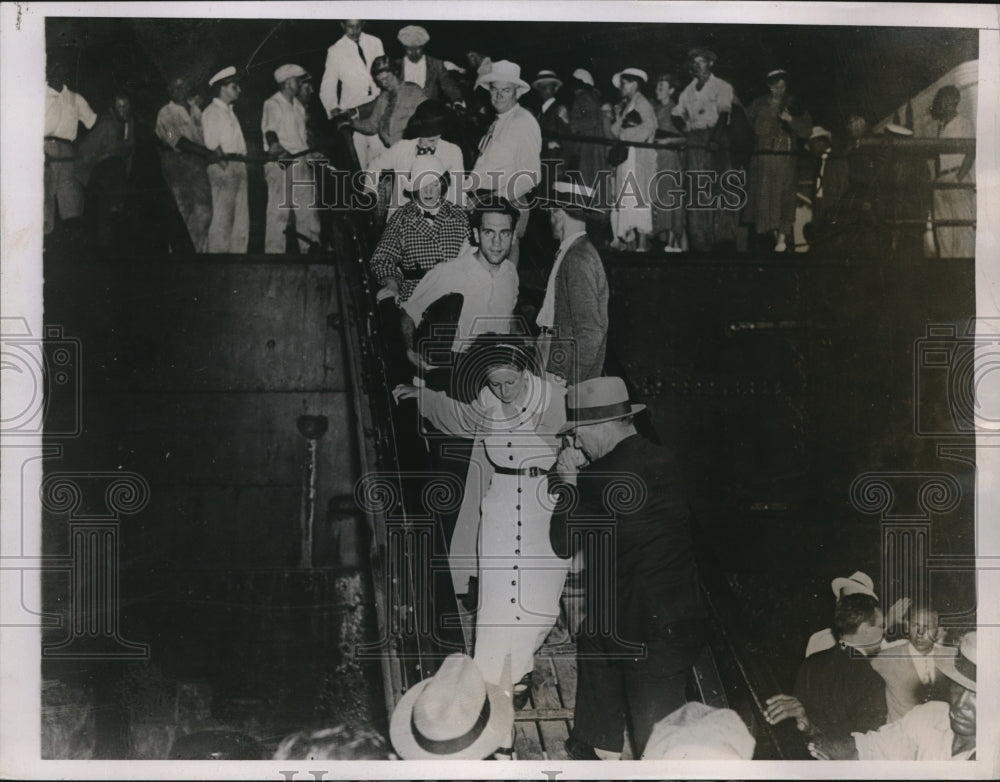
column 520, row 577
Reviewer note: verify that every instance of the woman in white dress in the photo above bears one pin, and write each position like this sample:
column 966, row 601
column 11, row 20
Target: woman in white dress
column 635, row 120
column 514, row 421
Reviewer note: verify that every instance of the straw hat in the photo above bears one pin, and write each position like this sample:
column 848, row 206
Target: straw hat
column 962, row 667
column 635, row 73
column 857, row 583
column 503, row 71
column 597, row 400
column 454, row 714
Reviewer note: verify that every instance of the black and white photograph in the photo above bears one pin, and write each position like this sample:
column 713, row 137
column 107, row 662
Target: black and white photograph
column 546, row 390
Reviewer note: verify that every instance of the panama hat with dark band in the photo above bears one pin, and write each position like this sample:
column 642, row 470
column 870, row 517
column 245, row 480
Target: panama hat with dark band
column 597, row 400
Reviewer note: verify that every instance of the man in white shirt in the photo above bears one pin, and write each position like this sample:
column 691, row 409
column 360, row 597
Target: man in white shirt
column 183, row 160
column 509, row 161
column 483, row 276
column 291, row 182
column 347, row 81
column 702, row 111
column 426, row 72
column 64, row 111
column 908, row 665
column 230, row 228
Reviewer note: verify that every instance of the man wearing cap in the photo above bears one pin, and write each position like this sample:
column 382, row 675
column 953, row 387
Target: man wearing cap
column 702, row 112
column 509, row 161
column 421, row 137
column 428, row 230
column 291, row 183
column 394, row 106
column 574, row 313
column 425, row 71
column 183, row 160
column 64, row 111
column 229, row 231
column 936, row 730
column 645, row 621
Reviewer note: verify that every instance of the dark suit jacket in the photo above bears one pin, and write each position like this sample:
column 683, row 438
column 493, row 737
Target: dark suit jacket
column 635, row 493
column 556, row 152
column 439, row 84
column 581, row 314
column 841, row 693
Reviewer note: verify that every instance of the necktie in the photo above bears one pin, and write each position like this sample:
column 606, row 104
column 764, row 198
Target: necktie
column 429, row 215
column 384, row 125
column 424, row 150
column 487, row 138
column 361, row 54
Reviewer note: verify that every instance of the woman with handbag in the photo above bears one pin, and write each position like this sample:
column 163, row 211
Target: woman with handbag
column 635, row 120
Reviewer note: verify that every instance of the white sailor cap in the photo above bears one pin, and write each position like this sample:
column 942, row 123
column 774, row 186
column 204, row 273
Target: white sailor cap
column 226, row 73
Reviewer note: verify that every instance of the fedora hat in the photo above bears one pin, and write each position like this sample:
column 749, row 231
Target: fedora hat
column 597, row 400
column 857, row 583
column 431, row 118
column 961, row 667
column 455, row 714
column 582, row 74
column 571, row 194
column 544, row 76
column 635, row 73
column 503, row 71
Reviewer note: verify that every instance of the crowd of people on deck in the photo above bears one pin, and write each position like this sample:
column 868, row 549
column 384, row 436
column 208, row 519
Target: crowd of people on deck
column 515, row 401
column 679, row 164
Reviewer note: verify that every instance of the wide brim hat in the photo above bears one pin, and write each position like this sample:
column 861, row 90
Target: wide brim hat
column 597, row 400
column 574, row 196
column 961, row 667
column 636, row 73
column 423, row 166
column 857, row 583
column 503, row 71
column 453, row 715
column 431, row 118
column 545, row 76
column 413, row 35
